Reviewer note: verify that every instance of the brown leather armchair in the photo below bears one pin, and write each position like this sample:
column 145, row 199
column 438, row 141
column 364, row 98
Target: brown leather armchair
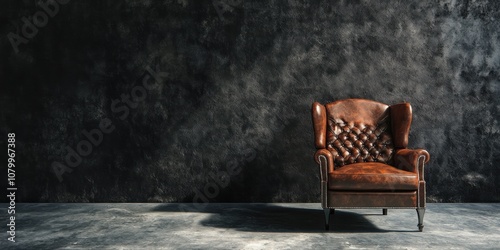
column 363, row 157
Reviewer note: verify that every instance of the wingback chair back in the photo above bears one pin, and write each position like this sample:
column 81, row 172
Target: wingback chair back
column 359, row 131
column 363, row 156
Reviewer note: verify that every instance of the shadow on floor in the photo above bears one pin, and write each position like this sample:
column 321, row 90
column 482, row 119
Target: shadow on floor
column 275, row 218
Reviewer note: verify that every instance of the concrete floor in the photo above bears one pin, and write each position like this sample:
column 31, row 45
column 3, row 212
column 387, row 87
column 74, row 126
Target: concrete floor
column 249, row 226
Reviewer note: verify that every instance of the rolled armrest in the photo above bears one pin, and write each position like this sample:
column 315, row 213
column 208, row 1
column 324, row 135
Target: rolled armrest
column 325, row 160
column 412, row 160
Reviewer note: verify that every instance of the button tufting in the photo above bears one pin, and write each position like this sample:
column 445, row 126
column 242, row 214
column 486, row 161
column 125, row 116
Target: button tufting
column 356, row 142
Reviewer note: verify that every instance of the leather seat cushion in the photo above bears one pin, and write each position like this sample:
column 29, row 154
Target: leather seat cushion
column 372, row 176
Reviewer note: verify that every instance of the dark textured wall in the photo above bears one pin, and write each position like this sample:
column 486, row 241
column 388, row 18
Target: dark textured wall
column 234, row 84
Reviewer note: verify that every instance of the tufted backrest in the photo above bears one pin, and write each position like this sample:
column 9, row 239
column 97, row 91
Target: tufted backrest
column 359, row 130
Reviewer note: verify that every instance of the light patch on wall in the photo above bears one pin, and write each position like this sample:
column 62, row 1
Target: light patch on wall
column 474, row 179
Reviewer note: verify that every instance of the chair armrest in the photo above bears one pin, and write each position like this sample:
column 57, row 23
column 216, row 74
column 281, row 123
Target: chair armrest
column 325, row 160
column 412, row 160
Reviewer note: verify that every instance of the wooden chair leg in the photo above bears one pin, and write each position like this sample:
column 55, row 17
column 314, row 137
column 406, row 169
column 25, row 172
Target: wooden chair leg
column 420, row 213
column 384, row 211
column 327, row 218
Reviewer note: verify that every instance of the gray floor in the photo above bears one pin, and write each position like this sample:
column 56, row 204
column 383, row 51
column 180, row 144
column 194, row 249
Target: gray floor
column 249, row 226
